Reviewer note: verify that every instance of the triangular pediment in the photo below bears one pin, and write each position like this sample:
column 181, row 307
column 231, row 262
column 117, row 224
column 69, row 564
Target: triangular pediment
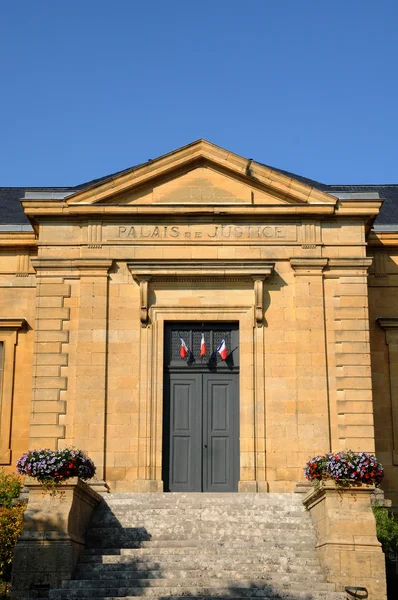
column 203, row 174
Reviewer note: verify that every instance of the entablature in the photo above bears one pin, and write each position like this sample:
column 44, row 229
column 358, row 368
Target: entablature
column 144, row 271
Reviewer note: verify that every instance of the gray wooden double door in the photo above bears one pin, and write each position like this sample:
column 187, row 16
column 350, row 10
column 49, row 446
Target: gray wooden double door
column 201, row 416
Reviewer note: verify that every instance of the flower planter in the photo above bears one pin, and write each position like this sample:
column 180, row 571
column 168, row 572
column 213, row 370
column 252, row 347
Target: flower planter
column 53, row 536
column 347, row 544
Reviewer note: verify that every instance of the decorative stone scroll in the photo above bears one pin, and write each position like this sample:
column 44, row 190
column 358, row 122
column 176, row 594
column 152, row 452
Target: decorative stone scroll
column 144, row 271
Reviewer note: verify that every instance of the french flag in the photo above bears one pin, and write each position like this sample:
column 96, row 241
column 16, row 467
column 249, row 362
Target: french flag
column 183, row 349
column 203, row 349
column 222, row 349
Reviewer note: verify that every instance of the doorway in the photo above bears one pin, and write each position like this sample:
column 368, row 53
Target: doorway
column 201, row 408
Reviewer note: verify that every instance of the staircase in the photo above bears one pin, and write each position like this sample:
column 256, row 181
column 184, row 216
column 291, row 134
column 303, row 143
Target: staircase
column 200, row 545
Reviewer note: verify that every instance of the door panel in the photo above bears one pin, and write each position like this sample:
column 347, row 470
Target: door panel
column 201, row 410
column 185, row 424
column 220, row 433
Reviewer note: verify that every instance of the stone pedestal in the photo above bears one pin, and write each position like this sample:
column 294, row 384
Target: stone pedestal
column 347, row 544
column 52, row 538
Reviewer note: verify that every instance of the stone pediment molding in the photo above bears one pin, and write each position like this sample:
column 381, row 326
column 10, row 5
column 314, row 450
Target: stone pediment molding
column 197, row 175
column 143, row 271
column 203, row 154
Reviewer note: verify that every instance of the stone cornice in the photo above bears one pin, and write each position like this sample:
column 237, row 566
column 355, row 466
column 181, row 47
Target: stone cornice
column 387, row 322
column 383, row 238
column 27, row 239
column 13, row 323
column 308, row 266
column 38, row 208
column 143, row 271
column 366, row 208
column 350, row 263
column 200, row 268
column 351, row 266
column 330, row 267
column 79, row 267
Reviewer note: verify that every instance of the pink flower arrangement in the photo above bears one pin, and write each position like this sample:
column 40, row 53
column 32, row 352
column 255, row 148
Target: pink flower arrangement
column 345, row 467
column 56, row 465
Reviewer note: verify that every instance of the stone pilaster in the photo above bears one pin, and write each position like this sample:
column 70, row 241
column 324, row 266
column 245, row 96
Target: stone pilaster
column 71, row 355
column 9, row 329
column 311, row 376
column 90, row 364
column 50, row 355
column 349, row 354
column 390, row 326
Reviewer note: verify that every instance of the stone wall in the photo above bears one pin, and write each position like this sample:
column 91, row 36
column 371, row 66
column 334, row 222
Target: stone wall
column 383, row 314
column 287, row 262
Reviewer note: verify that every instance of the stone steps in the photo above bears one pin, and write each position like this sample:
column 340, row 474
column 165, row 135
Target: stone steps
column 241, row 589
column 174, row 531
column 204, row 501
column 268, row 573
column 225, row 564
column 252, row 516
column 211, row 552
column 288, row 581
column 256, row 543
column 281, row 595
column 199, row 546
column 288, row 592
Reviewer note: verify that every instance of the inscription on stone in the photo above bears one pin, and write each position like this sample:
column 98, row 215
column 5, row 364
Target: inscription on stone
column 206, row 233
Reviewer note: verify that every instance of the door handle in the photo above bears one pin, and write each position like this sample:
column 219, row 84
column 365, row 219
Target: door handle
column 205, row 445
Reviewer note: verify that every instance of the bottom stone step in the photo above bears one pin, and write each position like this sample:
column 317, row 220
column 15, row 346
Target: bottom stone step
column 272, row 595
column 276, row 580
column 242, row 589
column 254, row 572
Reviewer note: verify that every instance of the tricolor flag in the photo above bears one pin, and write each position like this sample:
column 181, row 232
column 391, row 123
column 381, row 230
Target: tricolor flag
column 222, row 349
column 183, row 349
column 203, row 346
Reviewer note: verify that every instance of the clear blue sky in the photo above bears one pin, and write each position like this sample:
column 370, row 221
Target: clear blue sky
column 90, row 87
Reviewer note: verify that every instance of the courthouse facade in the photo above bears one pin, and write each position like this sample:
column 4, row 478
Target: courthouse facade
column 103, row 283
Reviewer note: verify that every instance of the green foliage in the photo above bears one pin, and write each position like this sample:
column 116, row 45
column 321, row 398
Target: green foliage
column 11, row 518
column 387, row 529
column 10, row 486
column 10, row 529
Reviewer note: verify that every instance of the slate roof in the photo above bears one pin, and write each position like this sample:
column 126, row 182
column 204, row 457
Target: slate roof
column 11, row 212
column 388, row 214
